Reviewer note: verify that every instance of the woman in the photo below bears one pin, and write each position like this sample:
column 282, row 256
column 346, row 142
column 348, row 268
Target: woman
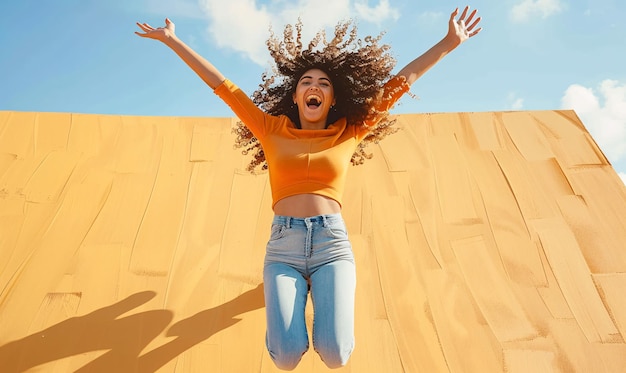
column 305, row 123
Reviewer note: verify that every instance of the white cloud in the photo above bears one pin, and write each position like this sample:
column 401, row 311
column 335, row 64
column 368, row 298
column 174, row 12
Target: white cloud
column 518, row 104
column 531, row 8
column 239, row 25
column 623, row 176
column 380, row 12
column 430, row 17
column 515, row 103
column 603, row 113
column 243, row 25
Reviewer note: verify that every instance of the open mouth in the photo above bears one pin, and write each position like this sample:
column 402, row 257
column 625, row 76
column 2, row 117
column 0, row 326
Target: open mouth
column 313, row 101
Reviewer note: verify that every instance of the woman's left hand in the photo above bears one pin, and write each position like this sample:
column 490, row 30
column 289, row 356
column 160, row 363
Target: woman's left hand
column 158, row 33
column 464, row 28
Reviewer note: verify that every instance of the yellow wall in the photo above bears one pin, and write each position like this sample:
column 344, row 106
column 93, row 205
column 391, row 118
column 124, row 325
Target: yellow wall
column 485, row 242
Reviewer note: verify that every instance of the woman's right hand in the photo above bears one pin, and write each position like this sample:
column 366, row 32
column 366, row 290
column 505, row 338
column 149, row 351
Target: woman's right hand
column 205, row 70
column 159, row 33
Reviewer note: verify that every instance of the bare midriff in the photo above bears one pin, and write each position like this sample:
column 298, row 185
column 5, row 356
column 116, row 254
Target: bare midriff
column 305, row 205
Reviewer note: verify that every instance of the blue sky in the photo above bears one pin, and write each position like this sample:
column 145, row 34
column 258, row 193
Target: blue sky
column 82, row 56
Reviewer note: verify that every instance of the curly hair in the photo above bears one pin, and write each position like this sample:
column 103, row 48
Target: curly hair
column 357, row 68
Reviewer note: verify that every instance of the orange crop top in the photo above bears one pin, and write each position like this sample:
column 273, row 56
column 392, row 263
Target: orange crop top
column 299, row 160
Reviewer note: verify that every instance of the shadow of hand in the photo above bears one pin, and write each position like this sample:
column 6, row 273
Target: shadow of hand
column 99, row 330
column 200, row 327
column 124, row 338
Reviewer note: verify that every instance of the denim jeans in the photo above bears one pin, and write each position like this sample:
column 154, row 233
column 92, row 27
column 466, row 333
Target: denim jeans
column 309, row 253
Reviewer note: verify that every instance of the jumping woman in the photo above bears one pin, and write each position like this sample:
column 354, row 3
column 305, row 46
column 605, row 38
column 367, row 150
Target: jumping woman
column 310, row 118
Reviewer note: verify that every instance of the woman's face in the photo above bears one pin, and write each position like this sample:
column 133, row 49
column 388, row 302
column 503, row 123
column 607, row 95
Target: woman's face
column 314, row 96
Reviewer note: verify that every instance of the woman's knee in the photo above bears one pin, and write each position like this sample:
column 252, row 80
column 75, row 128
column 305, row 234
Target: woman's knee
column 288, row 355
column 335, row 357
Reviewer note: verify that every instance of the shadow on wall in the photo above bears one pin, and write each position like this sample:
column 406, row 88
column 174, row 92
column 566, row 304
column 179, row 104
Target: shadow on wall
column 126, row 337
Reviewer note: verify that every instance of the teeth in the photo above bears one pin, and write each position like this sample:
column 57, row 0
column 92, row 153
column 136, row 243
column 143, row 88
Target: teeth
column 314, row 100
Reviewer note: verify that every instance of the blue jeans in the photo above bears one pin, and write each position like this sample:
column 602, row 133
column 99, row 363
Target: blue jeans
column 309, row 253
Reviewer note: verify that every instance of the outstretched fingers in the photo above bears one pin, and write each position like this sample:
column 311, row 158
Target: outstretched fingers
column 466, row 24
column 463, row 22
column 157, row 32
column 462, row 17
column 453, row 15
column 471, row 16
column 471, row 25
column 471, row 30
column 146, row 28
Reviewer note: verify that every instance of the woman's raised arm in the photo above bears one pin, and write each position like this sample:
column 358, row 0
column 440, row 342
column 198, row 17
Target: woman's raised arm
column 167, row 35
column 458, row 31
